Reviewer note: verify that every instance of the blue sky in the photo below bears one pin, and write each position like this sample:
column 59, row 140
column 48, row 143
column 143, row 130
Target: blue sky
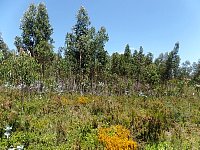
column 154, row 24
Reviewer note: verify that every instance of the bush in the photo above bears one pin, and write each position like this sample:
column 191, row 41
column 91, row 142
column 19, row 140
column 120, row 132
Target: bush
column 116, row 137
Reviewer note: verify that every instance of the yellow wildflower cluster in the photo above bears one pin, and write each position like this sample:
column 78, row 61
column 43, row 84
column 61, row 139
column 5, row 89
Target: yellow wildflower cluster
column 64, row 100
column 116, row 138
column 83, row 100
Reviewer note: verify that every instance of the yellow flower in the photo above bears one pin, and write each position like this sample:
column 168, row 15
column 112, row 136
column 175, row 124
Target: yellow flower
column 83, row 100
column 116, row 138
column 64, row 101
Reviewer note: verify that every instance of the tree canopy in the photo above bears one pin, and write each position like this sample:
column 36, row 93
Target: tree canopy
column 83, row 64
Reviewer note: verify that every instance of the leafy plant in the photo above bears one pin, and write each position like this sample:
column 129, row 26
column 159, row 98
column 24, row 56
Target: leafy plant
column 116, row 137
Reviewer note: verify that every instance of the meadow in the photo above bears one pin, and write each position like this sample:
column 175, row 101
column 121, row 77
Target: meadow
column 71, row 121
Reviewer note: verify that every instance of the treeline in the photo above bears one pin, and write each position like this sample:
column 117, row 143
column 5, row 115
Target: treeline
column 83, row 65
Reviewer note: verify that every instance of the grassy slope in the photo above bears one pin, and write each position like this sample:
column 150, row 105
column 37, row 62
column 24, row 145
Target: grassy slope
column 71, row 122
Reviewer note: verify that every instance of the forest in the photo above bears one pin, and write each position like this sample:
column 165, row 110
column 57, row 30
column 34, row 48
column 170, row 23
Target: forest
column 80, row 97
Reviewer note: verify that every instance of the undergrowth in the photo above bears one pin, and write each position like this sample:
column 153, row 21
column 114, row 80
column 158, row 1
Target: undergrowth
column 71, row 121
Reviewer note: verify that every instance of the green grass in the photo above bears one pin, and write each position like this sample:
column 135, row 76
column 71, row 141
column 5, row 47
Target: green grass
column 53, row 121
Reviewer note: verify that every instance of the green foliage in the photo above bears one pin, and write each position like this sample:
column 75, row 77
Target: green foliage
column 185, row 70
column 85, row 51
column 164, row 115
column 36, row 35
column 4, row 51
column 172, row 63
column 85, row 66
column 21, row 69
column 152, row 75
column 61, row 122
column 196, row 72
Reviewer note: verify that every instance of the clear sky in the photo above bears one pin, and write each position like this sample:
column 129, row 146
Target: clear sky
column 154, row 24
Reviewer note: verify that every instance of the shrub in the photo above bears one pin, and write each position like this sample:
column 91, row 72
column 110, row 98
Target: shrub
column 83, row 100
column 116, row 137
column 148, row 128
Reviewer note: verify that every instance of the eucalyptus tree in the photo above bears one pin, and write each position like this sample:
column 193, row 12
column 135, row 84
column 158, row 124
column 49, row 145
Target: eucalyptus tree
column 4, row 50
column 138, row 66
column 172, row 63
column 20, row 69
column 115, row 63
column 168, row 64
column 127, row 60
column 85, row 50
column 5, row 54
column 76, row 50
column 96, row 57
column 185, row 70
column 25, row 70
column 101, row 55
column 59, row 65
column 149, row 59
column 36, row 35
column 152, row 75
column 161, row 64
column 44, row 47
column 27, row 40
column 196, row 72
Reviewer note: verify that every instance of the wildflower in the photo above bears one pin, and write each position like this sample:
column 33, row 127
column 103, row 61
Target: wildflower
column 8, row 131
column 116, row 137
column 83, row 100
column 142, row 94
column 7, row 134
column 21, row 147
column 8, row 128
column 64, row 100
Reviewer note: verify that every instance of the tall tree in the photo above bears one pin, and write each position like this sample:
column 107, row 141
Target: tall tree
column 4, row 51
column 28, row 27
column 172, row 63
column 115, row 63
column 101, row 54
column 138, row 66
column 4, row 56
column 161, row 64
column 196, row 72
column 36, row 34
column 127, row 60
column 85, row 49
column 77, row 43
column 185, row 70
column 44, row 48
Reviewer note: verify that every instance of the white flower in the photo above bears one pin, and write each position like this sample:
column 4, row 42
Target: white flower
column 7, row 134
column 8, row 128
column 142, row 94
column 21, row 147
column 8, row 131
